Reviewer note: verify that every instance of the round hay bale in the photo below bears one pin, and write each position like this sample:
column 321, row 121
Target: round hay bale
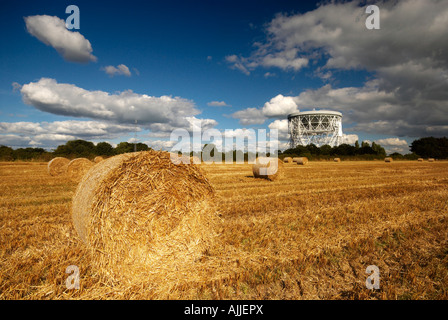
column 78, row 167
column 98, row 159
column 431, row 160
column 301, row 160
column 388, row 159
column 287, row 160
column 268, row 168
column 144, row 217
column 420, row 159
column 57, row 166
column 337, row 159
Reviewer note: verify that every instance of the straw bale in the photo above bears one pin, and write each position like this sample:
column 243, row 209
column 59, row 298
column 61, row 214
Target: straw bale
column 268, row 168
column 78, row 167
column 57, row 166
column 388, row 159
column 420, row 159
column 287, row 160
column 337, row 159
column 431, row 160
column 300, row 160
column 98, row 159
column 144, row 217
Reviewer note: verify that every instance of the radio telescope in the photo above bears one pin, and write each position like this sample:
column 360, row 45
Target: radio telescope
column 319, row 127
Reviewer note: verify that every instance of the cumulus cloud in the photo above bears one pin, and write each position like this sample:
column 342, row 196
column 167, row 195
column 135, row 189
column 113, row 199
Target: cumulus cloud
column 217, row 104
column 408, row 92
column 349, row 138
column 392, row 145
column 121, row 69
column 278, row 107
column 51, row 134
column 124, row 107
column 160, row 144
column 71, row 45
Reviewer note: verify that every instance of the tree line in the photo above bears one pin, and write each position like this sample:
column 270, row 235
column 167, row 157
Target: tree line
column 428, row 147
column 71, row 150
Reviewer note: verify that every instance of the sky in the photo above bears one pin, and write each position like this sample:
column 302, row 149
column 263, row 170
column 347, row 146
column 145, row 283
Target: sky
column 138, row 70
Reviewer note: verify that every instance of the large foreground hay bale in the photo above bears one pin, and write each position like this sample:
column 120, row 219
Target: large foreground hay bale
column 287, row 160
column 301, row 160
column 78, row 167
column 268, row 168
column 144, row 217
column 98, row 159
column 388, row 159
column 57, row 166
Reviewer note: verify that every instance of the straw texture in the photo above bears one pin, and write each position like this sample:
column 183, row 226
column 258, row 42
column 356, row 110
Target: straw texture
column 57, row 166
column 143, row 216
column 77, row 168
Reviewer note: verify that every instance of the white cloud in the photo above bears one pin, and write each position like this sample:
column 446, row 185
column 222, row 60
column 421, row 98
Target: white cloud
column 51, row 134
column 217, row 104
column 14, row 141
column 282, row 127
column 124, row 107
column 278, row 107
column 53, row 32
column 121, row 69
column 392, row 145
column 349, row 138
column 250, row 116
column 408, row 58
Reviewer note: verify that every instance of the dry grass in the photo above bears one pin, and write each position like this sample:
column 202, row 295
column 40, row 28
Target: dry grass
column 277, row 241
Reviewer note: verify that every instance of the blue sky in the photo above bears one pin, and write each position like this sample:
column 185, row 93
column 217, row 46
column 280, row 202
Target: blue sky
column 231, row 64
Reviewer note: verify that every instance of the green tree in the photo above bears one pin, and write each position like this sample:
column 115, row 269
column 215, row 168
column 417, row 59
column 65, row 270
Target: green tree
column 126, row 147
column 431, row 147
column 104, row 149
column 76, row 149
column 6, row 153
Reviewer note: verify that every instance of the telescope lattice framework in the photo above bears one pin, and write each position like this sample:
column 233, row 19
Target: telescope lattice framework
column 319, row 127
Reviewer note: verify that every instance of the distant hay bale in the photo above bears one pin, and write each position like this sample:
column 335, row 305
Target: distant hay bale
column 420, row 159
column 268, row 168
column 98, row 159
column 287, row 160
column 144, row 217
column 388, row 159
column 57, row 166
column 431, row 160
column 78, row 167
column 301, row 160
column 337, row 160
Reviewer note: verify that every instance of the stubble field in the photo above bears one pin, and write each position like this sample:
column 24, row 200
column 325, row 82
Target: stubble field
column 310, row 235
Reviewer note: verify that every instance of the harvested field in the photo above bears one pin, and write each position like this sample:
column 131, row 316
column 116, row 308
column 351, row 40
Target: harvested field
column 310, row 235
